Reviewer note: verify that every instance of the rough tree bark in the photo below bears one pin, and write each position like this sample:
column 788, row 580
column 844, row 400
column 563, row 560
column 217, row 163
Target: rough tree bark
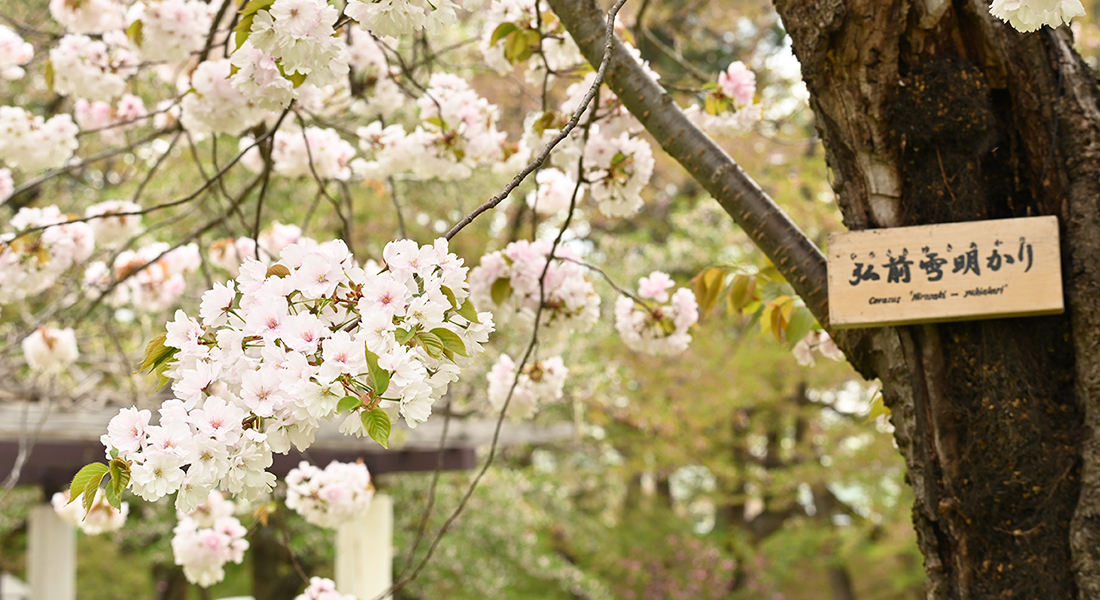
column 933, row 111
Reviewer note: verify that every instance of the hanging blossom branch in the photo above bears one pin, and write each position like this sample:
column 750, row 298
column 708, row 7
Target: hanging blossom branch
column 592, row 93
column 188, row 198
column 771, row 229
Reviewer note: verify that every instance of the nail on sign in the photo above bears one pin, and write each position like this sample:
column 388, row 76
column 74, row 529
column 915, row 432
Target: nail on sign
column 945, row 272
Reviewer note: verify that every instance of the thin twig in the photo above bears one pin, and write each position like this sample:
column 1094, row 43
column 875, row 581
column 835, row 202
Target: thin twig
column 79, row 165
column 397, row 207
column 426, row 515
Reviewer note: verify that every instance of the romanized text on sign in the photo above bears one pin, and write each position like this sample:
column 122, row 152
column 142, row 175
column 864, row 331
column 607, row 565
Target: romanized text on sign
column 946, row 272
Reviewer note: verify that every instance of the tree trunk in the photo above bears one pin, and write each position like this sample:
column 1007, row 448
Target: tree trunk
column 933, row 111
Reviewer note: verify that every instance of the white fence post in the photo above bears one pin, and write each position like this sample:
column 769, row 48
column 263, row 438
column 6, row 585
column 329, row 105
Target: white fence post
column 51, row 555
column 364, row 552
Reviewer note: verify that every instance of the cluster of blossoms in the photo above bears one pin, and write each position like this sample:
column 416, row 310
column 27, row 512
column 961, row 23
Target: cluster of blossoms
column 102, row 518
column 1030, row 15
column 322, row 589
column 659, row 327
column 816, row 340
column 30, row 143
column 88, row 16
column 174, row 28
column 208, row 537
column 94, row 69
column 14, row 52
column 380, row 96
column 49, row 348
column 539, row 383
column 31, row 262
column 616, row 163
column 281, row 348
column 730, row 108
column 399, row 17
column 456, row 134
column 151, row 278
column 290, row 42
column 367, row 55
column 450, row 107
column 214, row 105
column 298, row 153
column 229, row 253
column 339, row 493
column 509, row 279
column 109, row 121
column 523, row 36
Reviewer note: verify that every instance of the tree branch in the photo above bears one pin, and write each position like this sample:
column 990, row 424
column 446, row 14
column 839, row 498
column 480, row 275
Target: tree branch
column 794, row 254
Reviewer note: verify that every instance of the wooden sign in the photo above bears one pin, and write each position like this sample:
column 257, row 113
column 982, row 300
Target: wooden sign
column 946, row 272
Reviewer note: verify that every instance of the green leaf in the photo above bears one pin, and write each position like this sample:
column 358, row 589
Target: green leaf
column 243, row 30
column 468, row 311
column 437, row 121
column 450, row 296
column 431, row 344
column 801, row 323
column 773, row 274
column 380, row 376
column 772, row 291
column 377, row 424
column 49, row 75
column 297, row 79
column 544, row 122
column 716, row 105
column 451, row 340
column 120, row 477
column 756, row 309
column 501, row 290
column 403, row 335
column 501, row 31
column 742, row 291
column 160, row 372
column 90, row 493
column 134, row 33
column 87, row 474
column 878, row 408
column 520, row 45
column 155, row 351
column 113, row 498
column 708, row 287
column 347, row 403
column 255, row 6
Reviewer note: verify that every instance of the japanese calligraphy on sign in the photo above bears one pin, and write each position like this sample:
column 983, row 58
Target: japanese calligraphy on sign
column 946, row 272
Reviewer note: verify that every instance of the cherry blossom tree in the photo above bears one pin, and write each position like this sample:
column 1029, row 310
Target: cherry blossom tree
column 292, row 330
